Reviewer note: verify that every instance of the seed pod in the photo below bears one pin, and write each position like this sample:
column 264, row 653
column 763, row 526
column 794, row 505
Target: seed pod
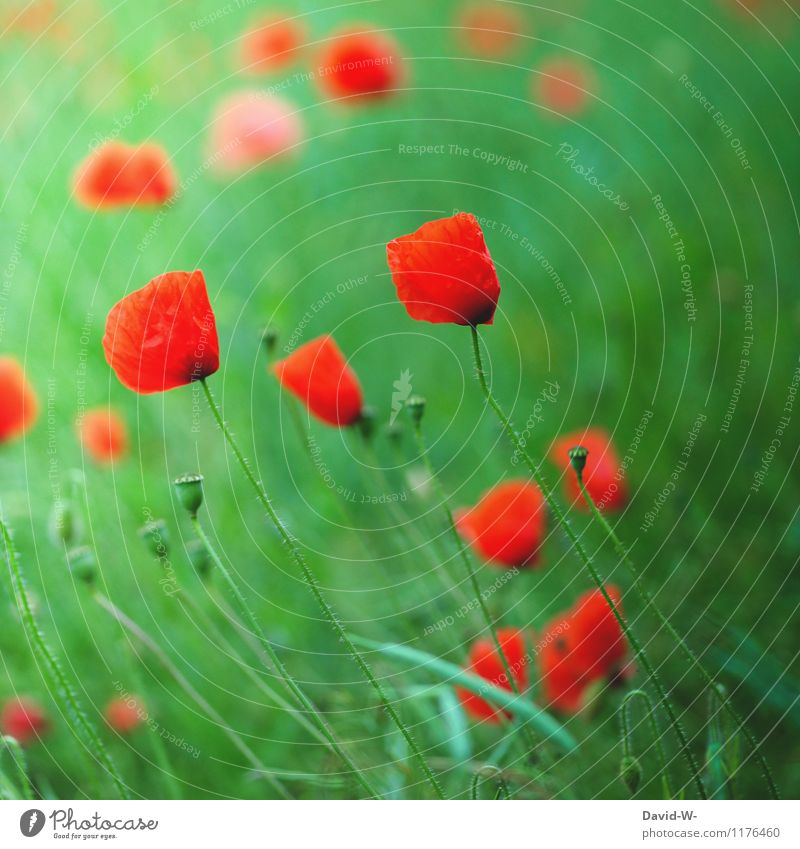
column 82, row 563
column 189, row 489
column 416, row 408
column 155, row 536
column 577, row 456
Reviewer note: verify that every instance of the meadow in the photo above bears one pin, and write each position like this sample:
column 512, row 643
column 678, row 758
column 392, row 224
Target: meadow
column 647, row 249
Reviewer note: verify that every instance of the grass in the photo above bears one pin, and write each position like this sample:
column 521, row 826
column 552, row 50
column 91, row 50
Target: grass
column 721, row 552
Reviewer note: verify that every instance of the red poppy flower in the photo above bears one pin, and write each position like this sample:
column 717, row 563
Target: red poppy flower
column 24, row 720
column 103, row 434
column 490, row 29
column 444, row 273
column 250, row 128
column 19, row 406
column 125, row 715
column 564, row 85
column 602, row 477
column 580, row 647
column 272, row 44
column 485, row 661
column 117, row 175
column 507, row 525
column 163, row 335
column 318, row 374
column 360, row 64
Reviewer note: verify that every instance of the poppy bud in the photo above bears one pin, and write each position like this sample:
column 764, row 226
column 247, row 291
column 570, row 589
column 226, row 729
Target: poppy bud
column 631, row 773
column 416, row 407
column 65, row 526
column 82, row 563
column 269, row 338
column 189, row 489
column 155, row 536
column 199, row 557
column 577, row 456
column 366, row 424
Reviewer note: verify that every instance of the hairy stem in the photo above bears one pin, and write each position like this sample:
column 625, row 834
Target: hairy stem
column 563, row 522
column 311, row 580
column 625, row 721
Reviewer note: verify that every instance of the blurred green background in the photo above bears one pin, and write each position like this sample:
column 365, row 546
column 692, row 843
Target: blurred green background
column 592, row 299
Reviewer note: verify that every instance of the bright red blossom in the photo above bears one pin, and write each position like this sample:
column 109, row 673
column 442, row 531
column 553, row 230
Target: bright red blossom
column 272, row 44
column 485, row 661
column 507, row 525
column 125, row 715
column 580, row 647
column 163, row 335
column 24, row 720
column 359, row 65
column 318, row 374
column 119, row 175
column 564, row 85
column 491, row 29
column 443, row 272
column 19, row 406
column 601, row 475
column 103, row 434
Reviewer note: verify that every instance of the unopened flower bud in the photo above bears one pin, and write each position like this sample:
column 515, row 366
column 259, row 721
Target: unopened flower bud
column 631, row 773
column 82, row 563
column 189, row 489
column 577, row 456
column 65, row 525
column 269, row 339
column 199, row 557
column 367, row 423
column 416, row 408
column 155, row 536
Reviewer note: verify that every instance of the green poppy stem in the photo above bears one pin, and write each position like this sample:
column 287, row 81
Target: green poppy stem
column 688, row 653
column 58, row 678
column 313, row 584
column 625, row 722
column 422, row 447
column 291, row 685
column 563, row 522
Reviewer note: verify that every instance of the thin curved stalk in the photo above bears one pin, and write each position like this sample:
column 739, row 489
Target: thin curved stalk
column 625, row 722
column 311, row 580
column 21, row 763
column 688, row 653
column 422, row 446
column 183, row 682
column 563, row 522
column 291, row 685
column 58, row 679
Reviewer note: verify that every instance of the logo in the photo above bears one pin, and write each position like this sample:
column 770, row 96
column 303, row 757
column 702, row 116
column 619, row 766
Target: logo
column 402, row 392
column 31, row 822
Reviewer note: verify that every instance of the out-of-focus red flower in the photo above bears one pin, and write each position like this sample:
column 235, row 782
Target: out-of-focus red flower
column 318, row 374
column 24, row 720
column 564, row 85
column 485, row 661
column 443, row 272
column 251, row 128
column 507, row 525
column 580, row 647
column 600, row 474
column 360, row 64
column 103, row 434
column 271, row 44
column 125, row 715
column 29, row 16
column 18, row 403
column 163, row 335
column 491, row 29
column 117, row 175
